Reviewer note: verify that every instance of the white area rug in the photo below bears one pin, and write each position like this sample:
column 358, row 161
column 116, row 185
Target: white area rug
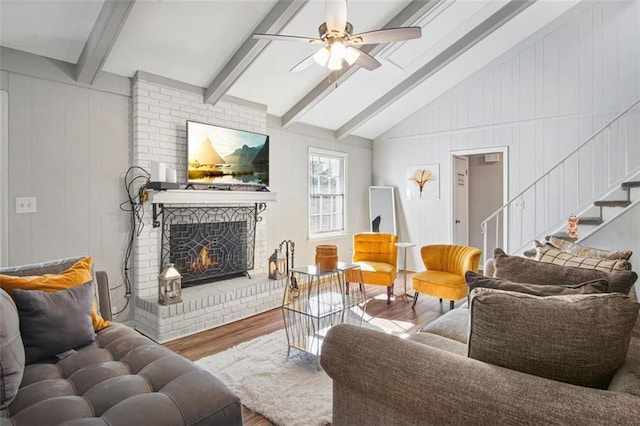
column 289, row 392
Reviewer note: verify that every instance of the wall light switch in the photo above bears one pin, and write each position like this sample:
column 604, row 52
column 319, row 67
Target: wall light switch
column 25, row 205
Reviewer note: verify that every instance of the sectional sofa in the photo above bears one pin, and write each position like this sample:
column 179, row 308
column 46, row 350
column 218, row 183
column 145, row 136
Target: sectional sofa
column 479, row 364
column 119, row 378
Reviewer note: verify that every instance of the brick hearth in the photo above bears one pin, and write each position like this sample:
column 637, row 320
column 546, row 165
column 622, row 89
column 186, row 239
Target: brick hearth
column 208, row 306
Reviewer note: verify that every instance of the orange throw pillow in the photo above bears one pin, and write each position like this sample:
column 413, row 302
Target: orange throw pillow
column 80, row 273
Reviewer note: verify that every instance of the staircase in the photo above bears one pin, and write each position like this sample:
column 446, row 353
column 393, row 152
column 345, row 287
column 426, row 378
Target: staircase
column 611, row 204
column 597, row 181
column 606, row 209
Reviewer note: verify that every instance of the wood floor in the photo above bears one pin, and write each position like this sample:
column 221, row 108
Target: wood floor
column 397, row 318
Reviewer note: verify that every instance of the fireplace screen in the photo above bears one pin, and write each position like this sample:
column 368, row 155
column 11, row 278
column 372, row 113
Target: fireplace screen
column 209, row 243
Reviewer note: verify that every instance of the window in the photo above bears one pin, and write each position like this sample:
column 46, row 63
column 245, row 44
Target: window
column 327, row 176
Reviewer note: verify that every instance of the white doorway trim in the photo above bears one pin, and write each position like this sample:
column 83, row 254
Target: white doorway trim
column 4, row 177
column 460, row 197
column 504, row 150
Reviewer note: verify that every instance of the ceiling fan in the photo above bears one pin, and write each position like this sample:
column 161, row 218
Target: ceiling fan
column 340, row 44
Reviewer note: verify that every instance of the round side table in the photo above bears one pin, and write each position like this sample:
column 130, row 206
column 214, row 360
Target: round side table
column 405, row 245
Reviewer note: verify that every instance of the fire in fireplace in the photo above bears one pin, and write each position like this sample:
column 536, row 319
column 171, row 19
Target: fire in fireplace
column 208, row 244
column 202, row 261
column 208, row 251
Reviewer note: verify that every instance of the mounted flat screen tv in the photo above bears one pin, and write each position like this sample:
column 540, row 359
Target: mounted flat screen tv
column 220, row 155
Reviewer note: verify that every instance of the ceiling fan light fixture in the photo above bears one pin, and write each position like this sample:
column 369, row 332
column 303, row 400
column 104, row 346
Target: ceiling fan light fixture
column 337, row 55
column 351, row 55
column 340, row 42
column 322, row 56
column 338, row 50
column 335, row 63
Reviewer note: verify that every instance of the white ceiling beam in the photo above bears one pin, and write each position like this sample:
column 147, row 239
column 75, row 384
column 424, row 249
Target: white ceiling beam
column 408, row 16
column 277, row 18
column 103, row 36
column 463, row 44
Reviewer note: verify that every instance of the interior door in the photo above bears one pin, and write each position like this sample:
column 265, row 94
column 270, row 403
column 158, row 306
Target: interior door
column 461, row 200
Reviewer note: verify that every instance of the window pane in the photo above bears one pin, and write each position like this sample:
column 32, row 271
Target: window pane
column 326, row 192
column 314, row 224
column 314, row 206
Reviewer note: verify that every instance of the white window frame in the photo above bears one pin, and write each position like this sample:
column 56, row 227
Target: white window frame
column 329, row 154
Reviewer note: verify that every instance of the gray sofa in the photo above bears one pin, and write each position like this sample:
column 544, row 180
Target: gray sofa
column 122, row 378
column 428, row 378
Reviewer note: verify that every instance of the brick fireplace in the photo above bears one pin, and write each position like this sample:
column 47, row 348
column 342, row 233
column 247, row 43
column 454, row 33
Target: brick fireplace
column 224, row 293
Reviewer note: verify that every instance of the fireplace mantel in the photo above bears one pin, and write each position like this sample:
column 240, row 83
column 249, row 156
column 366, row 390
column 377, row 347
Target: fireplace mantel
column 210, row 197
column 160, row 199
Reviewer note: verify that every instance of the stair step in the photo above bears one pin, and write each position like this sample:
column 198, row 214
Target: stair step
column 612, row 203
column 594, row 221
column 632, row 184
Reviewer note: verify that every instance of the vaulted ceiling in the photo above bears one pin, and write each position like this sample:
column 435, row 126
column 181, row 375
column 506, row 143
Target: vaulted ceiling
column 209, row 43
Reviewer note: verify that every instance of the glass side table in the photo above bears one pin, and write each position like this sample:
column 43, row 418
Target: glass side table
column 405, row 296
column 314, row 301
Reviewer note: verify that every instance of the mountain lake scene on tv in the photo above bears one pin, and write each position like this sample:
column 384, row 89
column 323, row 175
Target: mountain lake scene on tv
column 227, row 156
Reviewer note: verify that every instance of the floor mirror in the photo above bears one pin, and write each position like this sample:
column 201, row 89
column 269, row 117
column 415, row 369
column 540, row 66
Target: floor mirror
column 382, row 209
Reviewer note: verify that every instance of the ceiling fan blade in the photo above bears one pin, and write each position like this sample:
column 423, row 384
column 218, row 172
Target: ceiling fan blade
column 336, row 15
column 304, row 64
column 281, row 37
column 386, row 36
column 367, row 61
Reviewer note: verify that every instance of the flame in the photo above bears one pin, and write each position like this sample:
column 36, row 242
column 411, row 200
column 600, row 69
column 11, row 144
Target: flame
column 202, row 262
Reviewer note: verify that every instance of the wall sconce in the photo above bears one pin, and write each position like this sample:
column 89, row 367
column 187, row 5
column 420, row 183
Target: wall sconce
column 277, row 265
column 169, row 286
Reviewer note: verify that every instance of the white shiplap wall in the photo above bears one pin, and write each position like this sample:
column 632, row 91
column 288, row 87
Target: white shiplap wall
column 541, row 99
column 69, row 148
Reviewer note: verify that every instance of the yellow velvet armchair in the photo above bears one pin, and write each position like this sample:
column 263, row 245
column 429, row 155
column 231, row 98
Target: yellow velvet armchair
column 446, row 265
column 377, row 255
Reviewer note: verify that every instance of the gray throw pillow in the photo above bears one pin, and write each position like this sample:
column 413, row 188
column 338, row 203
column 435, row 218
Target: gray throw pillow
column 476, row 280
column 521, row 270
column 580, row 339
column 11, row 351
column 54, row 322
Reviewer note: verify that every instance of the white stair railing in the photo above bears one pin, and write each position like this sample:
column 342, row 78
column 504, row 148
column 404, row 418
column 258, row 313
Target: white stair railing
column 600, row 163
